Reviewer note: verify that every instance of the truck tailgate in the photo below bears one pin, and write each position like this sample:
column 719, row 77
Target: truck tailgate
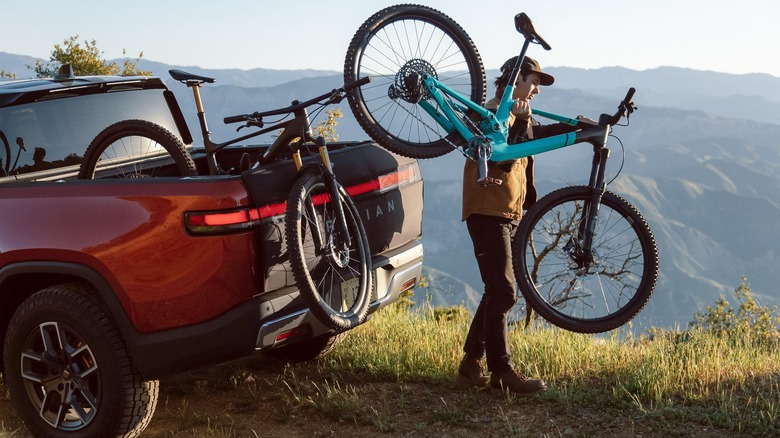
column 386, row 188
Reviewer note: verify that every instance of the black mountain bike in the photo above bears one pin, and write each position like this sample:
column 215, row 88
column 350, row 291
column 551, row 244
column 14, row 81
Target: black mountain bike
column 327, row 244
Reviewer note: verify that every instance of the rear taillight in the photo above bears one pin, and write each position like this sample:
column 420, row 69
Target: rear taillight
column 405, row 175
column 221, row 222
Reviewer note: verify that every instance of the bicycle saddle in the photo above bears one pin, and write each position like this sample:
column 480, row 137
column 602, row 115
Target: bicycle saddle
column 183, row 76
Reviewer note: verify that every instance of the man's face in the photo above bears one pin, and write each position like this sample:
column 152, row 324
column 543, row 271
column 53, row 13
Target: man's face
column 525, row 89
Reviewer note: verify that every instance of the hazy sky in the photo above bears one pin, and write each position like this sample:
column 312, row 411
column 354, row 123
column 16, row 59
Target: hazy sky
column 718, row 35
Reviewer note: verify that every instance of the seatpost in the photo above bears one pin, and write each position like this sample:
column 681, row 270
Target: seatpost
column 506, row 104
column 204, row 128
column 519, row 63
column 195, row 85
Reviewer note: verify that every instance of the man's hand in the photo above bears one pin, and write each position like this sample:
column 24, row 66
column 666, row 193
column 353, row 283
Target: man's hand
column 521, row 109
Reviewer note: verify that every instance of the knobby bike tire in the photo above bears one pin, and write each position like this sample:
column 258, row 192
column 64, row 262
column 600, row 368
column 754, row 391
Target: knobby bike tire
column 392, row 45
column 613, row 289
column 335, row 280
column 136, row 149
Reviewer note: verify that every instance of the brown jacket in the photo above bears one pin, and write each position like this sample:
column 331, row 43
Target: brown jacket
column 505, row 200
column 517, row 186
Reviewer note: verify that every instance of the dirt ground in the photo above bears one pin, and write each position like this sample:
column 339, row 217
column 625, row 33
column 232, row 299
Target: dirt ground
column 261, row 404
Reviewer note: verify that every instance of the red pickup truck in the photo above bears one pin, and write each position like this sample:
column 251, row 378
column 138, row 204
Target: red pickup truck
column 106, row 286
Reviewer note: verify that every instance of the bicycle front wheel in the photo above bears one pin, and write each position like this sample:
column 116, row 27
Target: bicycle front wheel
column 333, row 272
column 585, row 291
column 136, row 149
column 396, row 46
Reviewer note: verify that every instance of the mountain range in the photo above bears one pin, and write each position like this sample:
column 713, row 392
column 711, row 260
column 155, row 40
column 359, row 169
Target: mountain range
column 700, row 159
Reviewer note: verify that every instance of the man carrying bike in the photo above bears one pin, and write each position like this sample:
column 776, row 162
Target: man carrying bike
column 492, row 214
column 583, row 257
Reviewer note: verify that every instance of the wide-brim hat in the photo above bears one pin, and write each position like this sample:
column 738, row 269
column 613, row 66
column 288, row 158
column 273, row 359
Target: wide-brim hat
column 530, row 65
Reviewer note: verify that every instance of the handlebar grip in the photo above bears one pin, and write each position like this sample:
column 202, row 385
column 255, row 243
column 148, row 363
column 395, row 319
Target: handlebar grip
column 358, row 83
column 235, row 119
column 625, row 108
column 629, row 96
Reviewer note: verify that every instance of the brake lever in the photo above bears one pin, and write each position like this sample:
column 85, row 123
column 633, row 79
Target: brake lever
column 251, row 121
column 337, row 97
column 628, row 109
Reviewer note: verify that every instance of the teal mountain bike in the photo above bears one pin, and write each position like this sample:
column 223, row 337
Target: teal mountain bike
column 584, row 258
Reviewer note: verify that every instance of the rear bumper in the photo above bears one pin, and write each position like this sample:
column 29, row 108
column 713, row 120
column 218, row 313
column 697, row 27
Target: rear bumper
column 263, row 323
column 394, row 272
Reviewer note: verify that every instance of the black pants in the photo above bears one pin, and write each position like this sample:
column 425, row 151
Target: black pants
column 492, row 239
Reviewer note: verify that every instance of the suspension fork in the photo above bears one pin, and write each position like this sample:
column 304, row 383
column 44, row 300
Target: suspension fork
column 332, row 187
column 587, row 227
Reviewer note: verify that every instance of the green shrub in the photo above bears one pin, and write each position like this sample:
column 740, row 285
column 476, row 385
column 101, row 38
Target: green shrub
column 747, row 324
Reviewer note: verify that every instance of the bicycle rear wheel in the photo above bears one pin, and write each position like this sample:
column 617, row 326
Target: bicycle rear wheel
column 136, row 149
column 332, row 274
column 395, row 46
column 577, row 291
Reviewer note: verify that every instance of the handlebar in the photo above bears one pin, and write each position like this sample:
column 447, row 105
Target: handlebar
column 625, row 108
column 334, row 96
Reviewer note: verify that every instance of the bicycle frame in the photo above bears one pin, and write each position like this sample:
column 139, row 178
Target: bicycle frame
column 298, row 127
column 495, row 126
column 294, row 134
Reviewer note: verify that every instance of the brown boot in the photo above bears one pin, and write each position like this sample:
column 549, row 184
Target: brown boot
column 470, row 372
column 516, row 383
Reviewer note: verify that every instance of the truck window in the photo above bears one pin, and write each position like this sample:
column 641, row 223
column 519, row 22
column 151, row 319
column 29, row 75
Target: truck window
column 54, row 133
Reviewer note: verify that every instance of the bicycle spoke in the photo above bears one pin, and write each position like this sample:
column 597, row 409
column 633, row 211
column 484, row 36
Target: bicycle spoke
column 399, row 50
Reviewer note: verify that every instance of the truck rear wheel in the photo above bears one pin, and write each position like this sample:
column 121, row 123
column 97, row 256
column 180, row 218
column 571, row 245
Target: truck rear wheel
column 334, row 276
column 68, row 371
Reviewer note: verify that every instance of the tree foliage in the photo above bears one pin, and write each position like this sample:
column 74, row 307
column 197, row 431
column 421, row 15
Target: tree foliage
column 85, row 60
column 327, row 128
